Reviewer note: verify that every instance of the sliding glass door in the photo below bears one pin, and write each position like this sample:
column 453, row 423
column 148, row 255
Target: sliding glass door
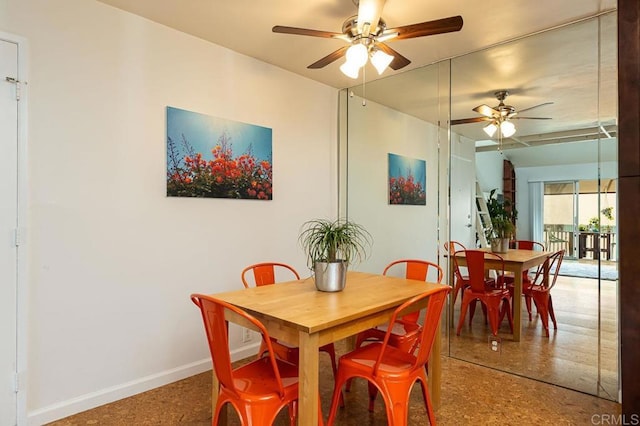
column 560, row 204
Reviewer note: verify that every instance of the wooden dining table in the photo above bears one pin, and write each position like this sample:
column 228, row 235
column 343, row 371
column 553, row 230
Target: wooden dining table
column 298, row 314
column 516, row 261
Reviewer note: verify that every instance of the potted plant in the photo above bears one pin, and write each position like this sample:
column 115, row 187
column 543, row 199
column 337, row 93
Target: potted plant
column 330, row 247
column 502, row 228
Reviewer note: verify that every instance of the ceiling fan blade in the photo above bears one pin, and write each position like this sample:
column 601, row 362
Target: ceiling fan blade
column 470, row 120
column 439, row 26
column 535, row 106
column 531, row 118
column 331, row 57
column 486, row 110
column 369, row 12
column 399, row 61
column 304, row 31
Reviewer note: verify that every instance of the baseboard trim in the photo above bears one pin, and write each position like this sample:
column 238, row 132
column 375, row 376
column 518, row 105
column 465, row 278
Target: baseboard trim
column 91, row 400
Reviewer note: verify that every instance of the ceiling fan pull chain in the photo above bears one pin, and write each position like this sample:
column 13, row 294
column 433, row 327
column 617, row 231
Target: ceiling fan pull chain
column 364, row 86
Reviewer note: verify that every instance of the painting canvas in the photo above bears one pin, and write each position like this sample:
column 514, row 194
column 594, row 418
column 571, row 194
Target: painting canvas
column 407, row 180
column 216, row 158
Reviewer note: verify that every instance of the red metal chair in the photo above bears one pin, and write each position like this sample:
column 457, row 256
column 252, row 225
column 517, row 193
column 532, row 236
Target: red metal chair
column 257, row 390
column 406, row 330
column 392, row 371
column 490, row 297
column 265, row 274
column 540, row 290
column 526, row 281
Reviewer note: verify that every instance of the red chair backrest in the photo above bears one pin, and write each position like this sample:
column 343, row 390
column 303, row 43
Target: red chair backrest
column 216, row 328
column 435, row 304
column 476, row 269
column 416, row 269
column 265, row 273
column 527, row 245
column 453, row 246
column 553, row 262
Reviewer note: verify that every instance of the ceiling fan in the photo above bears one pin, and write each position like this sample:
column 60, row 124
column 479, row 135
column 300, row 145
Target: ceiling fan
column 367, row 34
column 500, row 116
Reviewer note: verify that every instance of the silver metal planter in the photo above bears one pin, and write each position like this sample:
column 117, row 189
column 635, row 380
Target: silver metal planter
column 330, row 276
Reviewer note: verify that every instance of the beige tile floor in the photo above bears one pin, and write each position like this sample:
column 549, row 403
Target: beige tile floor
column 471, row 395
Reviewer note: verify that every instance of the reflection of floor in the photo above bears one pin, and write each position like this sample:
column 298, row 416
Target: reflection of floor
column 471, row 395
column 590, row 269
column 569, row 357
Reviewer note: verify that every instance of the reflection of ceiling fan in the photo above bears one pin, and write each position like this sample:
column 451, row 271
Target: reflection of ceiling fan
column 366, row 34
column 500, row 116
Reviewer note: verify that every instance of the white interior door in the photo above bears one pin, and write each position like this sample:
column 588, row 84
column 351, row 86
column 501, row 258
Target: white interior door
column 8, row 225
column 463, row 183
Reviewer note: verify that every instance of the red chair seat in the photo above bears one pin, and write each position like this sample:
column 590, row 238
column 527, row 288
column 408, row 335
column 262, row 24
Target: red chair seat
column 249, row 379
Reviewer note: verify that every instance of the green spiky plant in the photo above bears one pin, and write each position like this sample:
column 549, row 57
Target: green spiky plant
column 331, row 241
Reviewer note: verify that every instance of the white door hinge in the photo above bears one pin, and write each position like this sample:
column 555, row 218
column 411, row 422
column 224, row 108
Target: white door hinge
column 17, row 236
column 16, row 382
column 17, row 83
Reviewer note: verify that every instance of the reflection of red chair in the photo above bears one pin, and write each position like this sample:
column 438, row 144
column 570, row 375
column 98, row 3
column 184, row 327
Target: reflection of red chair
column 257, row 390
column 265, row 274
column 490, row 297
column 526, row 281
column 460, row 280
column 390, row 370
column 540, row 290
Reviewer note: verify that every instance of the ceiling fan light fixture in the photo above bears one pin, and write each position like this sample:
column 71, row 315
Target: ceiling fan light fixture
column 490, row 129
column 349, row 69
column 357, row 55
column 507, row 128
column 369, row 13
column 380, row 60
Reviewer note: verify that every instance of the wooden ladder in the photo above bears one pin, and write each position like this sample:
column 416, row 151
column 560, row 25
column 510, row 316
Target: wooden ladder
column 483, row 219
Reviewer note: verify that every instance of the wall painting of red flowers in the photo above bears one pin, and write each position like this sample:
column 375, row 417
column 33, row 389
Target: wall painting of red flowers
column 216, row 158
column 407, row 180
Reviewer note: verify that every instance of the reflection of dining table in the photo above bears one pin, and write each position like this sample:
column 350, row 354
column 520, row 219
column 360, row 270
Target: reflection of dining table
column 516, row 261
column 298, row 314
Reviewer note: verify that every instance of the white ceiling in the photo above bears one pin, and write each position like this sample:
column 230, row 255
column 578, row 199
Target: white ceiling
column 245, row 26
column 525, row 67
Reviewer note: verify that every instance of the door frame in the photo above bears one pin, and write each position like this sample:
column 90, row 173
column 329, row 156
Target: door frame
column 22, row 264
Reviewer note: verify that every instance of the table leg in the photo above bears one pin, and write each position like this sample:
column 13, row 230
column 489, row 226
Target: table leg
column 517, row 305
column 453, row 287
column 308, row 392
column 435, row 370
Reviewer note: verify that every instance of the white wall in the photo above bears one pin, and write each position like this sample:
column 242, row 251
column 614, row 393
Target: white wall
column 399, row 231
column 112, row 260
column 489, row 166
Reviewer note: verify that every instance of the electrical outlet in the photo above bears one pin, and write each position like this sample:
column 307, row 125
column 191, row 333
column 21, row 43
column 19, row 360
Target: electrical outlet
column 495, row 344
column 246, row 335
